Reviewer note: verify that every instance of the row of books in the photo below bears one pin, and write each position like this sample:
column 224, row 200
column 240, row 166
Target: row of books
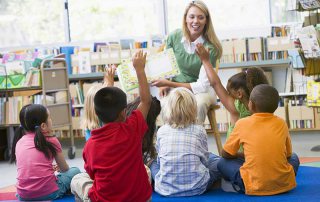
column 256, row 49
column 11, row 106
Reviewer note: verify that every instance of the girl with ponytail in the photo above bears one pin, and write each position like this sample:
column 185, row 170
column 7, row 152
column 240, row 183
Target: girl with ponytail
column 33, row 150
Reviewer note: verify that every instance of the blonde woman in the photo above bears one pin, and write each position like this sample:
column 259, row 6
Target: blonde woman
column 184, row 167
column 196, row 28
column 90, row 120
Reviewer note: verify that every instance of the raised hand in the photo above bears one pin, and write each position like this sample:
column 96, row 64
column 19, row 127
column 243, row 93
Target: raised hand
column 108, row 79
column 202, row 52
column 139, row 60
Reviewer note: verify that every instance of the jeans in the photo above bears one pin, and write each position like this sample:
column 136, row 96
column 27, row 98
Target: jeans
column 230, row 170
column 212, row 166
column 63, row 182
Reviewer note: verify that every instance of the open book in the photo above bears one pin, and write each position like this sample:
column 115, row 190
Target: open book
column 160, row 65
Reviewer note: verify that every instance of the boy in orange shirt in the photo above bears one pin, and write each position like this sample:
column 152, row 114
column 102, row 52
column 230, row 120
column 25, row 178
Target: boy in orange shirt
column 270, row 166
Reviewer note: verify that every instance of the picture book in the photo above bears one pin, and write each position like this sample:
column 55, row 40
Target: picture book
column 160, row 65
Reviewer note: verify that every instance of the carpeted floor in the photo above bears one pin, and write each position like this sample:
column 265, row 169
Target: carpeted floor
column 308, row 180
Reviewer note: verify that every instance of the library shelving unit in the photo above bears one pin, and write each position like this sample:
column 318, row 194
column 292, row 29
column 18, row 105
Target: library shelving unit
column 55, row 81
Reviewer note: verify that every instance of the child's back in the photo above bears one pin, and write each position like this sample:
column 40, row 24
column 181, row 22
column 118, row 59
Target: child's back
column 267, row 149
column 113, row 154
column 266, row 142
column 184, row 166
column 114, row 161
column 183, row 153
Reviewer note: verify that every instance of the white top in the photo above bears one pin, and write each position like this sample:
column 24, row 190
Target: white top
column 202, row 85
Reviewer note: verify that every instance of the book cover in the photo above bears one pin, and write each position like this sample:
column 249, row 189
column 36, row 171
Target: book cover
column 160, row 65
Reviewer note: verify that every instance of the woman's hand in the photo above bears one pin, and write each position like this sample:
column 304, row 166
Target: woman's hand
column 164, row 91
column 108, row 79
column 203, row 53
column 160, row 83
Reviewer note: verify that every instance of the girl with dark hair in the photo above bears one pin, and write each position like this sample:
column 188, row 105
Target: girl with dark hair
column 236, row 97
column 34, row 150
column 148, row 149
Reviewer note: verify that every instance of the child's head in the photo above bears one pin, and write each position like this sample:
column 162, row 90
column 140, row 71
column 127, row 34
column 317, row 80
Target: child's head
column 263, row 99
column 240, row 85
column 180, row 109
column 148, row 149
column 35, row 118
column 90, row 120
column 110, row 104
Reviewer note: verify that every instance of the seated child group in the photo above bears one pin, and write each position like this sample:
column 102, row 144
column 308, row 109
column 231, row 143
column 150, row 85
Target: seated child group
column 126, row 157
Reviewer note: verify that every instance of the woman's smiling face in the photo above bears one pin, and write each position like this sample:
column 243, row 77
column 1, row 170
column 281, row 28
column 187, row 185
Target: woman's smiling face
column 196, row 21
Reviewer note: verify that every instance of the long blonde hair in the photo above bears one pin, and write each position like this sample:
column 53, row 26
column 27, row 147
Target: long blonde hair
column 180, row 109
column 208, row 31
column 90, row 120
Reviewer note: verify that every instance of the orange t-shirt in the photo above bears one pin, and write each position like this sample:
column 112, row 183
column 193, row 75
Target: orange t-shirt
column 266, row 144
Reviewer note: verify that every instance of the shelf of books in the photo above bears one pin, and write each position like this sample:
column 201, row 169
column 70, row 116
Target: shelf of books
column 285, row 63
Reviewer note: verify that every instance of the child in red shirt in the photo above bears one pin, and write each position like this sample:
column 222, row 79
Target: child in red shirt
column 113, row 154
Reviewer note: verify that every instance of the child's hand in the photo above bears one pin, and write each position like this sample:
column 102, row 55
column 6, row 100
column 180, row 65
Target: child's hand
column 139, row 60
column 202, row 52
column 160, row 82
column 108, row 79
column 56, row 167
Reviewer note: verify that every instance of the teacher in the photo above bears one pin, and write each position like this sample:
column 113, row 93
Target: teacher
column 196, row 28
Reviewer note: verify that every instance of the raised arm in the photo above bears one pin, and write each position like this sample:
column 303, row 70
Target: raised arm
column 139, row 62
column 215, row 82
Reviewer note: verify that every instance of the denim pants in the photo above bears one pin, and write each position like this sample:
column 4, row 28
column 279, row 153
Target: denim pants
column 63, row 182
column 212, row 166
column 230, row 170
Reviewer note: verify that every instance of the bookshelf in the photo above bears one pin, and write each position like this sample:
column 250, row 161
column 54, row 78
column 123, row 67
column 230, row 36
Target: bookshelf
column 298, row 117
column 279, row 63
column 53, row 93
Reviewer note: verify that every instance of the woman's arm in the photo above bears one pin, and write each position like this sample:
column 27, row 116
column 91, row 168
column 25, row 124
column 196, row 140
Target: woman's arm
column 171, row 84
column 215, row 82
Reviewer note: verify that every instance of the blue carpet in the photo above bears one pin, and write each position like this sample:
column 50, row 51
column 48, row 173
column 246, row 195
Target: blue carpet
column 308, row 180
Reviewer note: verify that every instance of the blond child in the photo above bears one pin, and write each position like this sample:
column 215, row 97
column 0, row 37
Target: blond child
column 90, row 120
column 184, row 167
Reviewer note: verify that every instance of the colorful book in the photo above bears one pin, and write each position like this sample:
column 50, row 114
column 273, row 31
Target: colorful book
column 160, row 65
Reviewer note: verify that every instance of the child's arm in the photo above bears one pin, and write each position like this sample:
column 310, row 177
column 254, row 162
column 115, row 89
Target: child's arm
column 61, row 162
column 215, row 81
column 108, row 79
column 139, row 62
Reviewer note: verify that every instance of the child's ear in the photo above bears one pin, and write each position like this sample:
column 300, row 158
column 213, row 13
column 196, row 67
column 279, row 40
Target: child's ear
column 252, row 107
column 123, row 115
column 239, row 93
column 43, row 126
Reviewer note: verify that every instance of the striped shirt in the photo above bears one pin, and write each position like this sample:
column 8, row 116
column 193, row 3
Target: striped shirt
column 183, row 159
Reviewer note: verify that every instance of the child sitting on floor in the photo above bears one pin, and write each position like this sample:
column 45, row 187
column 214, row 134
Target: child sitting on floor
column 90, row 120
column 112, row 155
column 34, row 149
column 148, row 149
column 270, row 166
column 184, row 167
